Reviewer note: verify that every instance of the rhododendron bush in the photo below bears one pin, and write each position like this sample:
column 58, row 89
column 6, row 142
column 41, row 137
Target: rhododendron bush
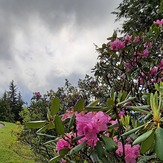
column 128, row 127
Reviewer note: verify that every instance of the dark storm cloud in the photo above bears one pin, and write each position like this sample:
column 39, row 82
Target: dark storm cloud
column 54, row 13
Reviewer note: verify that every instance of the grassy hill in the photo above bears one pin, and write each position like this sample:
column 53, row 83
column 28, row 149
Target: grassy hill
column 11, row 150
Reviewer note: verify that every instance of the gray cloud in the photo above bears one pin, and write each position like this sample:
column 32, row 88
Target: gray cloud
column 45, row 41
column 54, row 13
column 58, row 11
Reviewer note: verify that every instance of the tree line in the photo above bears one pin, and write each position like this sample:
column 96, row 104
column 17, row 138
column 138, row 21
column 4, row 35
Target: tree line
column 11, row 103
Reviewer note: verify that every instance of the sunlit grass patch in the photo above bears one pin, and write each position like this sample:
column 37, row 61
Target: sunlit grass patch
column 12, row 150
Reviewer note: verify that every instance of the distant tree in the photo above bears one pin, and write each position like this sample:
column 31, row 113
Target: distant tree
column 20, row 104
column 11, row 104
column 5, row 109
column 15, row 100
column 138, row 15
column 12, row 94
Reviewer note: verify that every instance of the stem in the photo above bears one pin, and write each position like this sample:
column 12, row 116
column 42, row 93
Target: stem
column 120, row 129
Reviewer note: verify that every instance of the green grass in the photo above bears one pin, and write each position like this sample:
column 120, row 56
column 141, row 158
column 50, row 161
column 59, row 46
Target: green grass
column 11, row 150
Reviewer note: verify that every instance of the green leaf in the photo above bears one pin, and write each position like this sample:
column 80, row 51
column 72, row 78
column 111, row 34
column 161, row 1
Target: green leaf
column 96, row 108
column 157, row 86
column 109, row 143
column 144, row 107
column 78, row 148
column 48, row 114
column 148, row 116
column 59, row 125
column 55, row 105
column 55, row 159
column 35, row 124
column 113, row 126
column 132, row 131
column 100, row 150
column 126, row 101
column 77, row 138
column 94, row 157
column 64, row 151
column 110, row 102
column 143, row 137
column 49, row 142
column 159, row 143
column 47, row 135
column 147, row 144
column 94, row 103
column 161, row 6
column 46, row 127
column 42, row 129
column 79, row 106
column 71, row 122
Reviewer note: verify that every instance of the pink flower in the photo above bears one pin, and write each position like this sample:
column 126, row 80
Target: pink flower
column 115, row 139
column 90, row 124
column 136, row 39
column 129, row 140
column 147, row 44
column 128, row 66
column 161, row 66
column 158, row 22
column 68, row 114
column 114, row 122
column 131, row 152
column 100, row 121
column 63, row 161
column 154, row 70
column 119, row 151
column 140, row 79
column 145, row 53
column 62, row 143
column 161, row 63
column 122, row 113
column 37, row 95
column 117, row 45
column 90, row 132
column 128, row 39
column 107, row 134
column 83, row 120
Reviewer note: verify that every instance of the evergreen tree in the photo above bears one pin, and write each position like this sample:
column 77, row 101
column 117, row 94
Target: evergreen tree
column 5, row 109
column 15, row 100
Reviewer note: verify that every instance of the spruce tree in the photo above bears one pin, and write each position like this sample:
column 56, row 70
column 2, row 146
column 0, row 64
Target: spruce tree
column 15, row 100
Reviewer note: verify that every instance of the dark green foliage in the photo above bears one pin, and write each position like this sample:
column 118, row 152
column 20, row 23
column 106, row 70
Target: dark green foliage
column 6, row 113
column 11, row 104
column 138, row 15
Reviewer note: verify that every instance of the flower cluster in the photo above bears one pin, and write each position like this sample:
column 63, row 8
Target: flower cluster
column 68, row 114
column 158, row 22
column 117, row 45
column 131, row 152
column 153, row 75
column 90, row 124
column 37, row 94
column 131, row 58
column 64, row 142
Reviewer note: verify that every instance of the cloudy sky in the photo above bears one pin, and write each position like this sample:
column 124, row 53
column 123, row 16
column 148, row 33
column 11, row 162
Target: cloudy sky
column 42, row 42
